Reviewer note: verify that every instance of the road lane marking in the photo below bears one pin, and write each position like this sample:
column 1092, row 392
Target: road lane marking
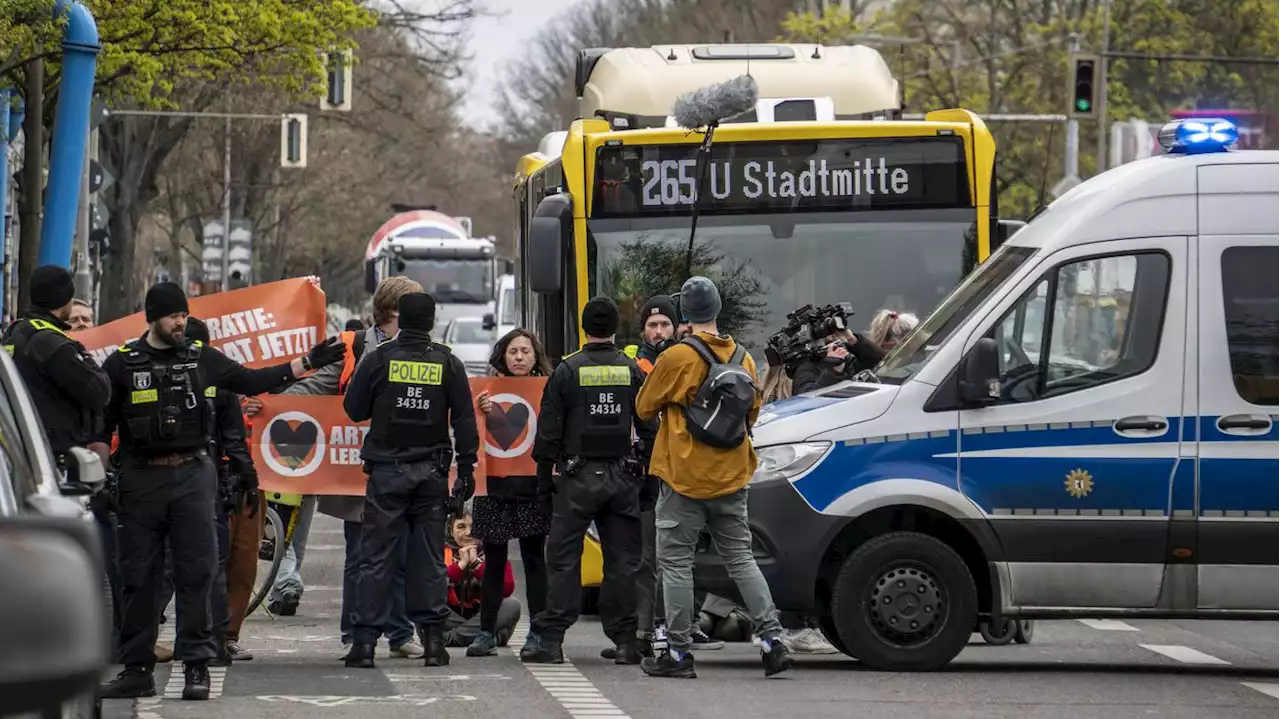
column 571, row 690
column 1271, row 690
column 1186, row 655
column 1110, row 625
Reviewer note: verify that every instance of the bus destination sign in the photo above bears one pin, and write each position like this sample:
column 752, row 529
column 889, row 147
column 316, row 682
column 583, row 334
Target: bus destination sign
column 782, row 176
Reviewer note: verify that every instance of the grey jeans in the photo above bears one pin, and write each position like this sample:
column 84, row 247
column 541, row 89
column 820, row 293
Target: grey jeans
column 680, row 522
column 289, row 578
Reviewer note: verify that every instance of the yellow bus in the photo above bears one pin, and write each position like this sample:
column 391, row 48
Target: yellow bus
column 822, row 194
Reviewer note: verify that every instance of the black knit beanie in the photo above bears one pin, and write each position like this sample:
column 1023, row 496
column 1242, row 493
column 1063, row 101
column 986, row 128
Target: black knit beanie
column 659, row 305
column 600, row 318
column 197, row 330
column 417, row 312
column 164, row 299
column 52, row 287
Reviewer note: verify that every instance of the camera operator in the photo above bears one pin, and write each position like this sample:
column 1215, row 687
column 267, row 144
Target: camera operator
column 847, row 354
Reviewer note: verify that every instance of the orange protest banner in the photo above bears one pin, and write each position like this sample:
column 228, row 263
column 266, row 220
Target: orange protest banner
column 308, row 445
column 256, row 326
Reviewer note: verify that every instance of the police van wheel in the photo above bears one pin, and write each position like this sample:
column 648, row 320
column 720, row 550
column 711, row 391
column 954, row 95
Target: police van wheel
column 999, row 636
column 1025, row 629
column 905, row 601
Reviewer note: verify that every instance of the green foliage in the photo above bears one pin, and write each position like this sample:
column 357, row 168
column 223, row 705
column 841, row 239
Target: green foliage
column 150, row 46
column 1011, row 56
column 648, row 267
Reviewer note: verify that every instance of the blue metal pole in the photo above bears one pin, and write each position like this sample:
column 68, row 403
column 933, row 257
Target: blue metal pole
column 70, row 133
column 4, row 186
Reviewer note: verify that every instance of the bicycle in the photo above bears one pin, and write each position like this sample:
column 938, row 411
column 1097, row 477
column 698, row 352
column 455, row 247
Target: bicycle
column 277, row 535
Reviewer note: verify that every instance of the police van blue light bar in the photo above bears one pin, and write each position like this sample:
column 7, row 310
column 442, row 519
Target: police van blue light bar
column 1193, row 136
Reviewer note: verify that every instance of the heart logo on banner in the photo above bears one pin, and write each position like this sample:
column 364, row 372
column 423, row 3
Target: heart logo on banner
column 507, row 423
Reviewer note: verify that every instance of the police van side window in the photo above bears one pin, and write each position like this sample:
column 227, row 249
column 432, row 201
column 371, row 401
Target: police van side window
column 1249, row 297
column 1086, row 323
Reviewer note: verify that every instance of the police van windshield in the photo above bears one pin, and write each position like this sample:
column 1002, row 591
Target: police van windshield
column 768, row 265
column 907, row 358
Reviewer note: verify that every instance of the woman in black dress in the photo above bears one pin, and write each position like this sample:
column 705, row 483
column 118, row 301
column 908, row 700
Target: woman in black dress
column 510, row 510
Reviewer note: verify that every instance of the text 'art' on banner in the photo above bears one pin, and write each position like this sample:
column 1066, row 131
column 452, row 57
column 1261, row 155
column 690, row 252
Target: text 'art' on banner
column 308, row 445
column 256, row 326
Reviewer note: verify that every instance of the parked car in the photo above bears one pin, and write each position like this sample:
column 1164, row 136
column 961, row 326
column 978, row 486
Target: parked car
column 471, row 343
column 54, row 640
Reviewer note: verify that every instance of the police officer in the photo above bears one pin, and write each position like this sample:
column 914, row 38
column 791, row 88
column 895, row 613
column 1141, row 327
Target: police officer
column 68, row 387
column 585, row 429
column 413, row 390
column 167, row 482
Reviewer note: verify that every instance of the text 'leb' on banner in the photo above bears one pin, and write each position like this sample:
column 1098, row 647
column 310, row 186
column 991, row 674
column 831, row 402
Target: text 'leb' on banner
column 308, row 445
column 256, row 326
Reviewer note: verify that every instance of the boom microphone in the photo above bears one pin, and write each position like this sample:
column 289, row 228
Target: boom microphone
column 709, row 105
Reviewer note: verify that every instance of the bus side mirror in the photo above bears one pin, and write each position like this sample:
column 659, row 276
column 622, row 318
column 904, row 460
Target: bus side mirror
column 488, row 324
column 980, row 374
column 370, row 276
column 550, row 232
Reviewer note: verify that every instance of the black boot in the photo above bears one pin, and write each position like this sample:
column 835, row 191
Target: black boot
column 542, row 651
column 360, row 656
column 197, row 687
column 437, row 655
column 222, row 658
column 627, row 653
column 132, row 683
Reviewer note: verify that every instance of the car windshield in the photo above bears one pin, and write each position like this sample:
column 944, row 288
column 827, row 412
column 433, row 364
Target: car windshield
column 907, row 358
column 469, row 333
column 450, row 280
column 766, row 266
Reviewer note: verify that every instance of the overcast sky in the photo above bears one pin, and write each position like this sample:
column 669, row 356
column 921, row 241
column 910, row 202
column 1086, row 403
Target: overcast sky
column 494, row 40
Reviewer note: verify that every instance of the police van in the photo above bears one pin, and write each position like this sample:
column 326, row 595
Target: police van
column 1085, row 427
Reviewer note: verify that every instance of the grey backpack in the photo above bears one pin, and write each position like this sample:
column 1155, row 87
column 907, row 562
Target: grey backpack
column 718, row 415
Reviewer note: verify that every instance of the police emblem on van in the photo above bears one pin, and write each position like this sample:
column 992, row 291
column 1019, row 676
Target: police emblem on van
column 1079, row 483
column 141, row 380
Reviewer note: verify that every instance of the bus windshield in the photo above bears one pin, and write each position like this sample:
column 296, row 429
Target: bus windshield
column 768, row 265
column 450, row 280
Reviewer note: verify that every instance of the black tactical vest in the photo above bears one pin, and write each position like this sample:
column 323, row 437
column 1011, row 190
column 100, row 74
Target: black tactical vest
column 165, row 408
column 413, row 409
column 598, row 413
column 31, row 342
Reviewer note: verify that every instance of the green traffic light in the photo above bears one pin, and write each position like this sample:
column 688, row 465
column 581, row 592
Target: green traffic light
column 1082, row 105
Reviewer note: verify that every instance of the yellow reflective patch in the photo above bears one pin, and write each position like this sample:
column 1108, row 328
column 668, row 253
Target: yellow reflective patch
column 144, row 396
column 598, row 376
column 42, row 325
column 406, row 372
column 210, row 392
column 631, row 351
column 9, row 349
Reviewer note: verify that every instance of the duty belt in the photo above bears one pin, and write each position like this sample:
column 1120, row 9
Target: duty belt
column 176, row 459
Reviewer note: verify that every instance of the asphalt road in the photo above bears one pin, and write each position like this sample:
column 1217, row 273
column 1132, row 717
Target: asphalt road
column 1080, row 669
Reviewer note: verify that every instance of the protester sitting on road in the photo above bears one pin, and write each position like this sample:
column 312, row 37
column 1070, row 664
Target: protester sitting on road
column 510, row 508
column 468, row 570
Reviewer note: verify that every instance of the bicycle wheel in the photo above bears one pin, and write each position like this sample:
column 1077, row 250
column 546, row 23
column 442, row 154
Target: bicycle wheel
column 270, row 554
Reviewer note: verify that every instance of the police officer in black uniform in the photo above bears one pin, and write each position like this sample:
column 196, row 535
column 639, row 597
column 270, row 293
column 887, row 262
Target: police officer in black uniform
column 66, row 384
column 413, row 390
column 585, row 429
column 237, row 486
column 168, row 485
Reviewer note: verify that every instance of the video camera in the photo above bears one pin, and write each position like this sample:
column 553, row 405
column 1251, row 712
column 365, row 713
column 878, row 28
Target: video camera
column 804, row 337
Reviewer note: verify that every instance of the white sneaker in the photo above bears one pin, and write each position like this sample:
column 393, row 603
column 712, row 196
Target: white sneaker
column 755, row 640
column 409, row 650
column 807, row 641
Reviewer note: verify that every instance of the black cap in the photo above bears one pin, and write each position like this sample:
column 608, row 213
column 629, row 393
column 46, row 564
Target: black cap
column 197, row 330
column 659, row 305
column 52, row 287
column 417, row 312
column 164, row 299
column 600, row 318
column 354, row 325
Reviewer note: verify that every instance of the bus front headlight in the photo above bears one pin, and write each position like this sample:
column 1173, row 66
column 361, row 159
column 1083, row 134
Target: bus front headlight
column 786, row 461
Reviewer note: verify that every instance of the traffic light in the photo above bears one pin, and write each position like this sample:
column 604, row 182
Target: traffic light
column 293, row 141
column 1083, row 86
column 337, row 94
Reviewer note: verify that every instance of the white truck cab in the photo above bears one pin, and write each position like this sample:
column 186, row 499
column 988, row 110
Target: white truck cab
column 1085, row 427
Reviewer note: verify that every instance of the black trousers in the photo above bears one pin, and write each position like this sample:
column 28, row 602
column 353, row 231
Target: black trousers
column 173, row 504
column 115, row 585
column 402, row 495
column 495, row 570
column 603, row 492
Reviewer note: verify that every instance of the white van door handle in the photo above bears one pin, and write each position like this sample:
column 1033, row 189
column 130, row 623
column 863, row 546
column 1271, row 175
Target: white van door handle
column 1140, row 425
column 1246, row 424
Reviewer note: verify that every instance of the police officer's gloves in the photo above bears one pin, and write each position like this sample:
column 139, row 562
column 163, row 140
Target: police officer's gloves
column 325, row 354
column 546, row 482
column 248, row 491
column 463, row 489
